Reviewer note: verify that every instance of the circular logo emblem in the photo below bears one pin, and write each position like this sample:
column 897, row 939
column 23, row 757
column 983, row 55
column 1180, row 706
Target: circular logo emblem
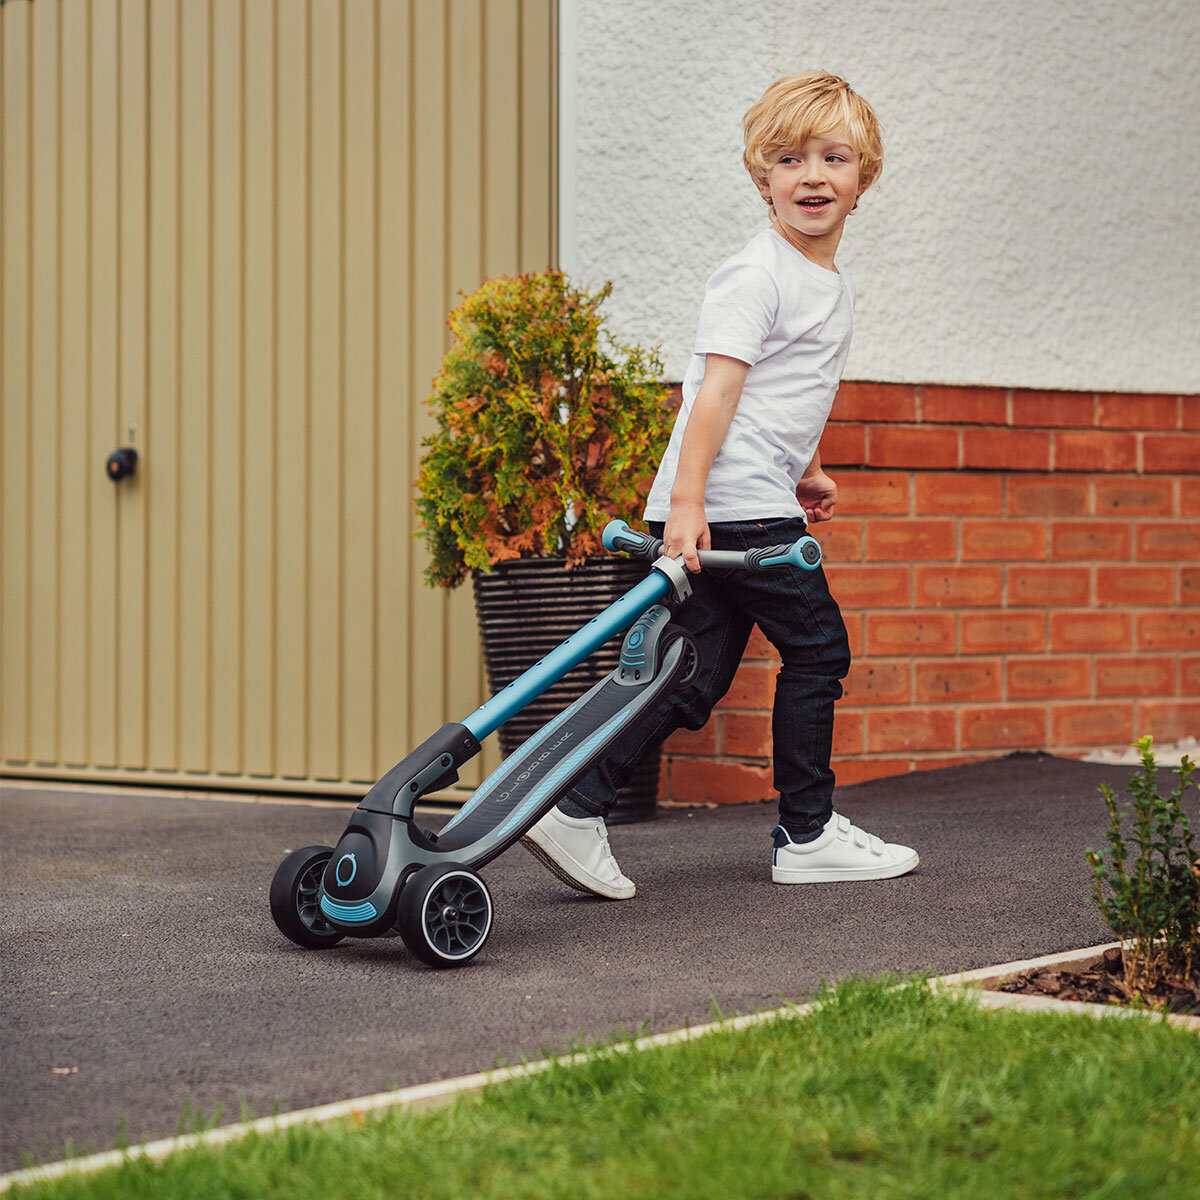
column 635, row 639
column 337, row 872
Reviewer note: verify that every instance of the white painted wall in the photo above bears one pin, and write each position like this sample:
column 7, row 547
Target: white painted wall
column 1037, row 223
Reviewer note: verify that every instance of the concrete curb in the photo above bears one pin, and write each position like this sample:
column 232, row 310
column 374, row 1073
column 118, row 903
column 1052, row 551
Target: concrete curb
column 417, row 1098
column 1087, row 957
column 429, row 1095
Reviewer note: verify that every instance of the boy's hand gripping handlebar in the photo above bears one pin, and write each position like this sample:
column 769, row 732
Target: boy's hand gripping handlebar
column 805, row 552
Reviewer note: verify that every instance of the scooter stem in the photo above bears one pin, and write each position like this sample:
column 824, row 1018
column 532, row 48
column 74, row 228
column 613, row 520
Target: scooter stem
column 584, row 642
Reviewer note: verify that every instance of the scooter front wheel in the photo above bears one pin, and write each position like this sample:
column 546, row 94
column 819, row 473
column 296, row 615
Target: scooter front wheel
column 295, row 895
column 444, row 914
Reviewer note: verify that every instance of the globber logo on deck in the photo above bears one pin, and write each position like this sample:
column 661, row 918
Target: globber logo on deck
column 337, row 872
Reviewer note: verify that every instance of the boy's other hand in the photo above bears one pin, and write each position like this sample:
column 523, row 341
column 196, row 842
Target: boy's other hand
column 685, row 532
column 817, row 494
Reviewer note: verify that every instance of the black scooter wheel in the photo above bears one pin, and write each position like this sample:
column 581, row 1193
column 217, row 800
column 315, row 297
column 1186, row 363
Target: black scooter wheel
column 295, row 891
column 444, row 914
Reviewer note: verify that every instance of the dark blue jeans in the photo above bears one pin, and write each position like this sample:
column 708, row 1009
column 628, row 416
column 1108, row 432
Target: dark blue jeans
column 802, row 621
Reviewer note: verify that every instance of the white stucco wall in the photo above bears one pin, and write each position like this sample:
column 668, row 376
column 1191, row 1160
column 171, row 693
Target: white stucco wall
column 1037, row 223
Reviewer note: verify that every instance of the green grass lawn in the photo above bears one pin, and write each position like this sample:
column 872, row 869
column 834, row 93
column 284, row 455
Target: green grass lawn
column 879, row 1093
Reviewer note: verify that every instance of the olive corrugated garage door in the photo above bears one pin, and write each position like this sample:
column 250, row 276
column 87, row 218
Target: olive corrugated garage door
column 231, row 232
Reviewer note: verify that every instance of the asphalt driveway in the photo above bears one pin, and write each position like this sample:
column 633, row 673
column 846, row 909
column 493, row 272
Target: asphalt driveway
column 142, row 971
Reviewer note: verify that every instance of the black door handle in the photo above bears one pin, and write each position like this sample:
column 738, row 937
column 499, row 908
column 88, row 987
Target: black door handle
column 121, row 462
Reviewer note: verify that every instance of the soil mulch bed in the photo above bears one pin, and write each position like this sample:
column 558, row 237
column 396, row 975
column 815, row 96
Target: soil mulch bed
column 1103, row 983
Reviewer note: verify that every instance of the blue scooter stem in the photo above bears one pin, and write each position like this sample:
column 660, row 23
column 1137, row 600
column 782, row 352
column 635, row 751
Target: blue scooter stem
column 616, row 617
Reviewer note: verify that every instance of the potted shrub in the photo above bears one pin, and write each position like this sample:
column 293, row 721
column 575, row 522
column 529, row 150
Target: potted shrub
column 546, row 429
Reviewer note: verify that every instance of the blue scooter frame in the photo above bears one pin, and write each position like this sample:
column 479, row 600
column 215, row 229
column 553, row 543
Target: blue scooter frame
column 387, row 875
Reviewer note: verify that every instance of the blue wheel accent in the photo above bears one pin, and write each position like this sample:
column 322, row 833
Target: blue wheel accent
column 349, row 914
column 354, row 870
column 337, row 873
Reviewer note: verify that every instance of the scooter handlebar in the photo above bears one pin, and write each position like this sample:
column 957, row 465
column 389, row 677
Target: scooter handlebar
column 619, row 537
column 804, row 553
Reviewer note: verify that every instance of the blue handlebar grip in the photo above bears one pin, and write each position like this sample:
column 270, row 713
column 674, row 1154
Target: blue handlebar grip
column 618, row 536
column 804, row 553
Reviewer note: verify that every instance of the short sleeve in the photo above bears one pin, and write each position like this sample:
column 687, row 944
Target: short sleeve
column 741, row 302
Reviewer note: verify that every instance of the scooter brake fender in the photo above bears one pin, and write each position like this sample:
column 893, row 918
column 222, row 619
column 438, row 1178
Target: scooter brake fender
column 639, row 651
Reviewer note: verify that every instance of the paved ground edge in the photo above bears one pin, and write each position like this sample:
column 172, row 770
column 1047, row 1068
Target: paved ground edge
column 428, row 1095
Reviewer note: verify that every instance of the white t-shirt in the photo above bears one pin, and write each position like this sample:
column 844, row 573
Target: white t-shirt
column 791, row 320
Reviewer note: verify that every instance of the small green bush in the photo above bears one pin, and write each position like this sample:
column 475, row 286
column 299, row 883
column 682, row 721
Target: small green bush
column 547, row 429
column 1147, row 884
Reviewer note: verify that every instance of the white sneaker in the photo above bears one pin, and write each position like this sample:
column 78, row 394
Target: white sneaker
column 841, row 853
column 576, row 849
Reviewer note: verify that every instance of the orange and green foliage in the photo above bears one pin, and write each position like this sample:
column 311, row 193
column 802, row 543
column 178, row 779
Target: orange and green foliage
column 547, row 429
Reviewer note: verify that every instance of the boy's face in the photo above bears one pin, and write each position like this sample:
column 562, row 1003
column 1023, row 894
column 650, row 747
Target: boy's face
column 813, row 187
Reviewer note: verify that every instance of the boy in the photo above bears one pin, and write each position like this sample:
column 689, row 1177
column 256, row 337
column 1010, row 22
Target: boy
column 742, row 470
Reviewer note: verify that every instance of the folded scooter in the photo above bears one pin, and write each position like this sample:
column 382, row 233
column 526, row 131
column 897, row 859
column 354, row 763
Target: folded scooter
column 387, row 875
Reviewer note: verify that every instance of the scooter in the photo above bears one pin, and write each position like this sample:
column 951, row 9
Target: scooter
column 387, row 875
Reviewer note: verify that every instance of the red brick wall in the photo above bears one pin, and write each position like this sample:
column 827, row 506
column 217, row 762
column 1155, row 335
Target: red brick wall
column 1018, row 570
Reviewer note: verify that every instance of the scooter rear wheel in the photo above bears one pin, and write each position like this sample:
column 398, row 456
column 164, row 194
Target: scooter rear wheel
column 295, row 892
column 444, row 914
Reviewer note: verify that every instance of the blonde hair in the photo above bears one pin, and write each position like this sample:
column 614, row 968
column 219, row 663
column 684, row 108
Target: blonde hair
column 798, row 107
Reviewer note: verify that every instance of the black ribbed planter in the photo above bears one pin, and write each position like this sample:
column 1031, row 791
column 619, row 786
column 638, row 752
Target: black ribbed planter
column 526, row 607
